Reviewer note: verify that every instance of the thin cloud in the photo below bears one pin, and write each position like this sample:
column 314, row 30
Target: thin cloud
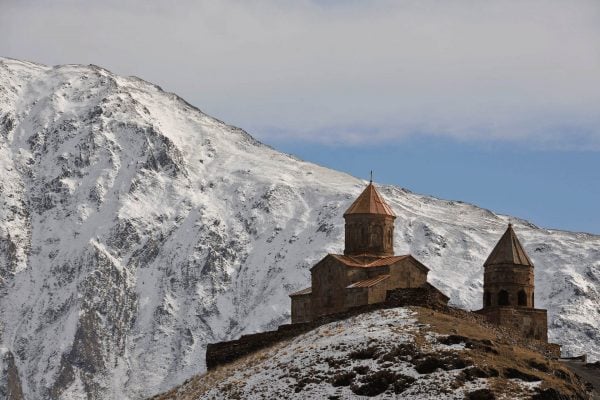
column 350, row 72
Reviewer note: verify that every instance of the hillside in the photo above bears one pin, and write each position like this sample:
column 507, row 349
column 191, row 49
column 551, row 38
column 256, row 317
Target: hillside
column 414, row 353
column 135, row 229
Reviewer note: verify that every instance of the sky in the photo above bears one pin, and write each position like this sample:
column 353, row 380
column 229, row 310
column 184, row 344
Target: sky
column 490, row 102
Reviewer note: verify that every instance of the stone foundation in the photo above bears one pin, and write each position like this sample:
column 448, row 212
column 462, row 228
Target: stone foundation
column 226, row 352
column 529, row 322
column 428, row 296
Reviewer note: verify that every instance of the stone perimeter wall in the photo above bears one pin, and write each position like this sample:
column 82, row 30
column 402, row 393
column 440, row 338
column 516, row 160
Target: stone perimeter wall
column 226, row 352
column 429, row 297
column 530, row 322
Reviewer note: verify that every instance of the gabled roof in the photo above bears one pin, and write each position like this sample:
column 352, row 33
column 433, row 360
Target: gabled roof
column 370, row 202
column 368, row 282
column 367, row 262
column 508, row 251
column 302, row 292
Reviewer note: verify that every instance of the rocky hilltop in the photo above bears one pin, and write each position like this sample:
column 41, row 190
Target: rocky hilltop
column 135, row 229
column 408, row 353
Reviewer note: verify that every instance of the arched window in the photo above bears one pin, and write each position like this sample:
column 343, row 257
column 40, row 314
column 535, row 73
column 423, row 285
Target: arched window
column 503, row 298
column 487, row 299
column 377, row 237
column 522, row 298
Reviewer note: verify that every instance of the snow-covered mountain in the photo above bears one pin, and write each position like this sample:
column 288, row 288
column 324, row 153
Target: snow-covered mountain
column 134, row 229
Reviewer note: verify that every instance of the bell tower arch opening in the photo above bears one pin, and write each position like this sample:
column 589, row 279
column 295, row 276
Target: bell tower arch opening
column 503, row 299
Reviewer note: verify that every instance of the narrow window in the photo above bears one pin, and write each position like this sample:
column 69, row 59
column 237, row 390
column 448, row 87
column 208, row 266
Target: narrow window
column 522, row 298
column 503, row 298
column 532, row 299
column 377, row 237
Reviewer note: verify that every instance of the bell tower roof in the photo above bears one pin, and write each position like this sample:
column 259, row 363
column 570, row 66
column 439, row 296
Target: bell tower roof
column 509, row 251
column 370, row 202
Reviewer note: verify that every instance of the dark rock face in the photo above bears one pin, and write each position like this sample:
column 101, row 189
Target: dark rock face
column 10, row 383
column 513, row 373
column 378, row 382
column 445, row 361
column 481, row 394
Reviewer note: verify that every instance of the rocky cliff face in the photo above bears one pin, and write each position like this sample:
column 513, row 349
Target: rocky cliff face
column 134, row 229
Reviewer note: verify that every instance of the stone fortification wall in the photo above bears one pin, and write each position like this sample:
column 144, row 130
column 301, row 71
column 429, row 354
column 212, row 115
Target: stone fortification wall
column 550, row 350
column 529, row 322
column 226, row 352
column 427, row 296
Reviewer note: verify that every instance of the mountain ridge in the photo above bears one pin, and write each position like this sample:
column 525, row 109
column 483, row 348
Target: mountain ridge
column 133, row 221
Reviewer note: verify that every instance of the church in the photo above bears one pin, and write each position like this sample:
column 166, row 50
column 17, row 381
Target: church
column 368, row 269
column 508, row 289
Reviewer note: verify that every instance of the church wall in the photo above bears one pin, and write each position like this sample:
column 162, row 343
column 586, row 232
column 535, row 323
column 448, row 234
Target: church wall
column 512, row 279
column 329, row 281
column 301, row 308
column 357, row 297
column 405, row 274
column 374, row 272
column 377, row 293
column 369, row 234
column 531, row 322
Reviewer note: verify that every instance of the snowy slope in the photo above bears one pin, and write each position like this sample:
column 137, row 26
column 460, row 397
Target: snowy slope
column 134, row 229
column 400, row 353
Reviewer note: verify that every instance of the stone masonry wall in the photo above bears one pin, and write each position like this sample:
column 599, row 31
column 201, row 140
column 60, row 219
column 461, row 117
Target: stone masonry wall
column 226, row 352
column 427, row 296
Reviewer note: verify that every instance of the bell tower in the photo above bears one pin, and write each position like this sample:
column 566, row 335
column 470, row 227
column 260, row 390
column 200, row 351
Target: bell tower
column 508, row 274
column 369, row 225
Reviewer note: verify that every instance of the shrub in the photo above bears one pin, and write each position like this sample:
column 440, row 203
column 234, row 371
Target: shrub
column 446, row 362
column 343, row 378
column 481, row 394
column 380, row 381
column 364, row 354
column 362, row 369
column 539, row 366
column 513, row 373
column 402, row 351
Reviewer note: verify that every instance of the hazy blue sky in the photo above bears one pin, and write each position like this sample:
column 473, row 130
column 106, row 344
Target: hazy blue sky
column 491, row 102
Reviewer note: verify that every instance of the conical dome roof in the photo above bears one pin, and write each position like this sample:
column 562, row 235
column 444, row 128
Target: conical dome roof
column 508, row 251
column 370, row 202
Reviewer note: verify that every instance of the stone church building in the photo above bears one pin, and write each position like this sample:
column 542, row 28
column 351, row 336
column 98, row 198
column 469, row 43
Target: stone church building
column 368, row 269
column 369, row 274
column 508, row 289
